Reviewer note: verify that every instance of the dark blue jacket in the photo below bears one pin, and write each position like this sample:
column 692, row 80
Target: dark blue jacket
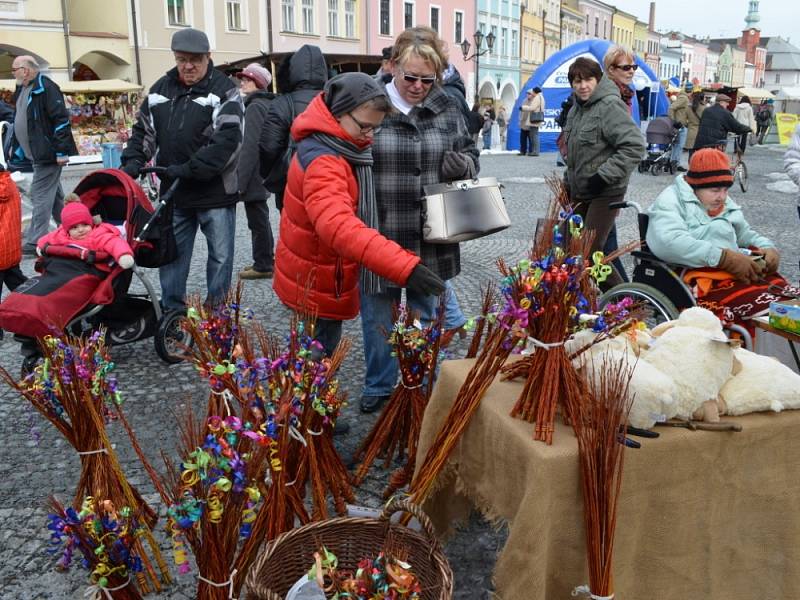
column 49, row 130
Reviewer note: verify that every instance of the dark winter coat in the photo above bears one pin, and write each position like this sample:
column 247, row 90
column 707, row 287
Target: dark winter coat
column 307, row 76
column 408, row 153
column 715, row 124
column 49, row 130
column 197, row 128
column 453, row 84
column 602, row 139
column 251, row 184
column 322, row 242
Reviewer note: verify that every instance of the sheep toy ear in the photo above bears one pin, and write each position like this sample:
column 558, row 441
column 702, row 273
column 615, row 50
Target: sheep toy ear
column 737, row 366
column 662, row 328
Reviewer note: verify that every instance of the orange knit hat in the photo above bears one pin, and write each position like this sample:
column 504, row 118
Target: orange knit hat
column 709, row 168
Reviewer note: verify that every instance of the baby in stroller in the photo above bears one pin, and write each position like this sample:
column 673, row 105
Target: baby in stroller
column 661, row 136
column 79, row 230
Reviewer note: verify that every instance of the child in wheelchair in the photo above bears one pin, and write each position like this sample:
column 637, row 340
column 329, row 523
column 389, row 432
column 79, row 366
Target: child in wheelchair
column 733, row 270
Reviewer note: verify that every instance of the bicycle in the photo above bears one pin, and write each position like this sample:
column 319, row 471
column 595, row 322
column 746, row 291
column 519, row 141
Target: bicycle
column 739, row 168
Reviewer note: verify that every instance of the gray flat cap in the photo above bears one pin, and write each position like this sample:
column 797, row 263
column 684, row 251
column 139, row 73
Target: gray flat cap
column 190, row 40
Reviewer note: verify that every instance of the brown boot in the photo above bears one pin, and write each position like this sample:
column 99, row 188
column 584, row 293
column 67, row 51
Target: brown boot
column 251, row 273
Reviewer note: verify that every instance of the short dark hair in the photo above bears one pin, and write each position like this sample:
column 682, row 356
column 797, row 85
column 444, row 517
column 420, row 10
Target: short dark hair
column 380, row 103
column 386, row 53
column 537, row 89
column 584, row 68
column 745, row 100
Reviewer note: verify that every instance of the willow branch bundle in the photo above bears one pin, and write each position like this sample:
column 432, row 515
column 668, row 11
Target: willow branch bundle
column 491, row 357
column 483, row 325
column 105, row 540
column 599, row 415
column 396, row 432
column 319, row 463
column 73, row 389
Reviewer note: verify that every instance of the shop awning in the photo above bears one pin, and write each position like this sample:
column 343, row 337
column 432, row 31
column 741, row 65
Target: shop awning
column 98, row 86
column 788, row 93
column 759, row 93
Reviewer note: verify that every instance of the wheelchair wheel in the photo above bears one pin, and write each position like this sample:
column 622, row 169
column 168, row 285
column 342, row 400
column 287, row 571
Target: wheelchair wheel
column 171, row 340
column 659, row 307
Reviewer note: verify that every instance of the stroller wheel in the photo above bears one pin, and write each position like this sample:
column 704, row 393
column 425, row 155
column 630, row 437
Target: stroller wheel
column 171, row 340
column 655, row 169
column 131, row 333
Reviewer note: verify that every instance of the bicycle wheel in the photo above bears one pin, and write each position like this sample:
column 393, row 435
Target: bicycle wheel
column 741, row 175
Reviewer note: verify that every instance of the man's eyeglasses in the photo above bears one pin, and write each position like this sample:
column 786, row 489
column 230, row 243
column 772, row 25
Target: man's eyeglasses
column 627, row 67
column 16, row 68
column 195, row 60
column 415, row 78
column 365, row 127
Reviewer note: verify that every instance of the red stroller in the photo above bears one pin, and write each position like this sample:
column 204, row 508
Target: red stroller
column 78, row 291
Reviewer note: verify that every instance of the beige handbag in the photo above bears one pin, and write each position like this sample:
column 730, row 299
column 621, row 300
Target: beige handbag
column 463, row 210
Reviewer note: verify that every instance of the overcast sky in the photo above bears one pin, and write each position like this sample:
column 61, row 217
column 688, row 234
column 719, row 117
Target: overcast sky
column 718, row 18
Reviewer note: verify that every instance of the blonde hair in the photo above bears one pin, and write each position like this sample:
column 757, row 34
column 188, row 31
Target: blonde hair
column 614, row 53
column 423, row 42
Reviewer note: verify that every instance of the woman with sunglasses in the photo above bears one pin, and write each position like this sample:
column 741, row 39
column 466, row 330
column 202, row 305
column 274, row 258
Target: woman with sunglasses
column 604, row 146
column 328, row 238
column 424, row 141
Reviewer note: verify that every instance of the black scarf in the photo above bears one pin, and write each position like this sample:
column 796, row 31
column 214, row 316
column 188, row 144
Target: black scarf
column 361, row 161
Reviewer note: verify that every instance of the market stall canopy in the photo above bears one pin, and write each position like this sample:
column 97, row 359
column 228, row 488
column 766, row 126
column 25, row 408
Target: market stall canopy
column 788, row 93
column 98, row 86
column 758, row 93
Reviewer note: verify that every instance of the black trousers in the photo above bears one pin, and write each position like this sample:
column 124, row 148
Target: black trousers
column 261, row 234
column 524, row 141
column 12, row 277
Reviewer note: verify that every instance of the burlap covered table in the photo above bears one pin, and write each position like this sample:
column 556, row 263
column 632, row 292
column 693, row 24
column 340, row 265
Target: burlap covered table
column 702, row 515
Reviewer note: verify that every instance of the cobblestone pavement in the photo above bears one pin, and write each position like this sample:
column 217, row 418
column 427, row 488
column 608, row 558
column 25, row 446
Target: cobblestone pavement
column 29, row 472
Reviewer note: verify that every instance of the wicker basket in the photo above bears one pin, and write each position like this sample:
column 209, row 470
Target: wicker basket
column 290, row 555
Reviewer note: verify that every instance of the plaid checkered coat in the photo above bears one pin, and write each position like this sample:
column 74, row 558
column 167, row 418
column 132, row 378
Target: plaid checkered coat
column 408, row 153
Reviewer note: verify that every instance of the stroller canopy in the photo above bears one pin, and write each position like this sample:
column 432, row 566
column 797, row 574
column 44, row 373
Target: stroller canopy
column 660, row 131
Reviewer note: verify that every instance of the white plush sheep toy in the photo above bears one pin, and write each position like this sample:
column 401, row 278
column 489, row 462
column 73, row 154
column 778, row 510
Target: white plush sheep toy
column 759, row 383
column 653, row 392
column 694, row 353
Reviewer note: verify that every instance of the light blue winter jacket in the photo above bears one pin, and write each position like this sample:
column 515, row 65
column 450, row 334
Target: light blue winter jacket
column 681, row 231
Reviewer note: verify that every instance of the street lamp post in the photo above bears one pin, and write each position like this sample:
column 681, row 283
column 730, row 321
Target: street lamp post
column 478, row 38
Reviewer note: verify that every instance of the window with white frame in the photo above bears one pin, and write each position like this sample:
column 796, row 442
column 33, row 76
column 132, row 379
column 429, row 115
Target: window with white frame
column 333, row 17
column 287, row 14
column 176, row 13
column 308, row 16
column 496, row 46
column 385, row 17
column 514, row 43
column 459, row 27
column 350, row 18
column 504, row 41
column 235, row 14
column 435, row 18
column 408, row 14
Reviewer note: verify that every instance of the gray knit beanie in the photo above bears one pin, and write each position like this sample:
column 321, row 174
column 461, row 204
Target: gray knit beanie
column 345, row 92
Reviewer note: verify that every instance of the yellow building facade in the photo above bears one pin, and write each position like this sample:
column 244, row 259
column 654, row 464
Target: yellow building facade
column 532, row 49
column 639, row 45
column 623, row 26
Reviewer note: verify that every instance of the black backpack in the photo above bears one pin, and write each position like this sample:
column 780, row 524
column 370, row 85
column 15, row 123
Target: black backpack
column 275, row 176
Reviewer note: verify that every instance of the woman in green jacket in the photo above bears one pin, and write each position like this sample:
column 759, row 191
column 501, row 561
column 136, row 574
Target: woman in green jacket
column 604, row 146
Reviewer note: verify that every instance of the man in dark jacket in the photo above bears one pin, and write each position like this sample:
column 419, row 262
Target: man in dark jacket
column 42, row 134
column 257, row 98
column 192, row 122
column 306, row 73
column 715, row 124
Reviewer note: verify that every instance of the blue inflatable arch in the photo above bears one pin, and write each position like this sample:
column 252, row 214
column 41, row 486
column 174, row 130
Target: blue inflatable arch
column 551, row 77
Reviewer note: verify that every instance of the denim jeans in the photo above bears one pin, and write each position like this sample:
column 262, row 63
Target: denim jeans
column 677, row 149
column 487, row 141
column 376, row 319
column 219, row 227
column 47, row 198
column 453, row 317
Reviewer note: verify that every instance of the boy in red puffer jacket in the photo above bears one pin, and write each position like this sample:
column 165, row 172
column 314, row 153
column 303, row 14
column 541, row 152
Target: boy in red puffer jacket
column 328, row 238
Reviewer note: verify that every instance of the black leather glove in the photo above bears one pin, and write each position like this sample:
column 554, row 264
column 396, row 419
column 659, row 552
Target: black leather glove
column 677, row 125
column 454, row 166
column 176, row 171
column 596, row 184
column 131, row 169
column 424, row 281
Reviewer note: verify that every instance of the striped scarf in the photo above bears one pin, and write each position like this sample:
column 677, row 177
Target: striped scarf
column 361, row 161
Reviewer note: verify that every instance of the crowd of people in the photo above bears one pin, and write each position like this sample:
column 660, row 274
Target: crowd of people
column 348, row 158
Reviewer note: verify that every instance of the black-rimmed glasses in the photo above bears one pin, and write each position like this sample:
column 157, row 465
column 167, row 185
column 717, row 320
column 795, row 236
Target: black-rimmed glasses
column 365, row 127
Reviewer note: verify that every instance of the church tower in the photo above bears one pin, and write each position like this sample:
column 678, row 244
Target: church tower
column 752, row 18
